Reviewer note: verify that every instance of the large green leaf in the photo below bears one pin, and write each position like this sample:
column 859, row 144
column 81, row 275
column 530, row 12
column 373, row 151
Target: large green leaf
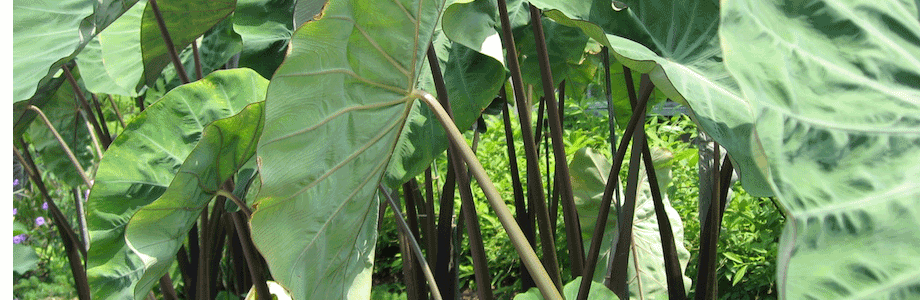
column 835, row 87
column 647, row 279
column 676, row 43
column 112, row 63
column 185, row 20
column 475, row 24
column 158, row 230
column 472, row 80
column 46, row 34
column 143, row 160
column 334, row 111
column 570, row 291
column 265, row 26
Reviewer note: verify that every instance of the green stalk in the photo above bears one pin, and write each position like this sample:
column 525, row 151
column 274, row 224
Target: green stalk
column 170, row 47
column 534, row 182
column 70, row 155
column 544, row 283
column 405, row 229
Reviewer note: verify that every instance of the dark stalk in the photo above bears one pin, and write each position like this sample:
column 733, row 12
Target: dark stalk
column 445, row 275
column 569, row 212
column 675, row 280
column 72, row 245
column 252, row 261
column 106, row 140
column 420, row 258
column 105, row 127
column 121, row 120
column 534, row 183
column 166, row 287
column 182, row 257
column 477, row 248
column 411, row 206
column 725, row 176
column 430, row 228
column 620, row 262
column 608, row 93
column 522, row 214
column 139, row 102
column 167, row 40
column 198, row 72
column 607, row 198
column 541, row 123
column 707, row 286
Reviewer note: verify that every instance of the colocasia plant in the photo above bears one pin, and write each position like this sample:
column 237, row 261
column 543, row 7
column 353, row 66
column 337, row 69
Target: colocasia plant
column 249, row 147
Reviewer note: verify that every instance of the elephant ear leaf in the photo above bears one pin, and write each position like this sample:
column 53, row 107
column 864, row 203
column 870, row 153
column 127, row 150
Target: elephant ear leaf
column 141, row 163
column 647, row 277
column 331, row 126
column 48, row 33
column 157, row 231
column 676, row 42
column 835, row 87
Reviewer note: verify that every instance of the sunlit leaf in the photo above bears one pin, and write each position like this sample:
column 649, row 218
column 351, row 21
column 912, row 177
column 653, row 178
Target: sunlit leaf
column 158, row 230
column 331, row 126
column 835, row 88
column 141, row 163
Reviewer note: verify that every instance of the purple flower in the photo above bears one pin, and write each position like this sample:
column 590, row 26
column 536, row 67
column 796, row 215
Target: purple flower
column 15, row 211
column 16, row 182
column 39, row 221
column 45, row 206
column 19, row 238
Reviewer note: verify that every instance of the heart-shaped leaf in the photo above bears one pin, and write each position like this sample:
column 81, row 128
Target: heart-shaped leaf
column 331, row 127
column 835, row 87
column 676, row 43
column 158, row 230
column 112, row 63
column 47, row 34
column 141, row 163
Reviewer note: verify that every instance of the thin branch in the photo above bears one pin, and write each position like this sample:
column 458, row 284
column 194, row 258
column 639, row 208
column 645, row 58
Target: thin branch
column 106, row 140
column 167, row 40
column 73, row 159
column 117, row 112
column 197, row 56
column 435, row 292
